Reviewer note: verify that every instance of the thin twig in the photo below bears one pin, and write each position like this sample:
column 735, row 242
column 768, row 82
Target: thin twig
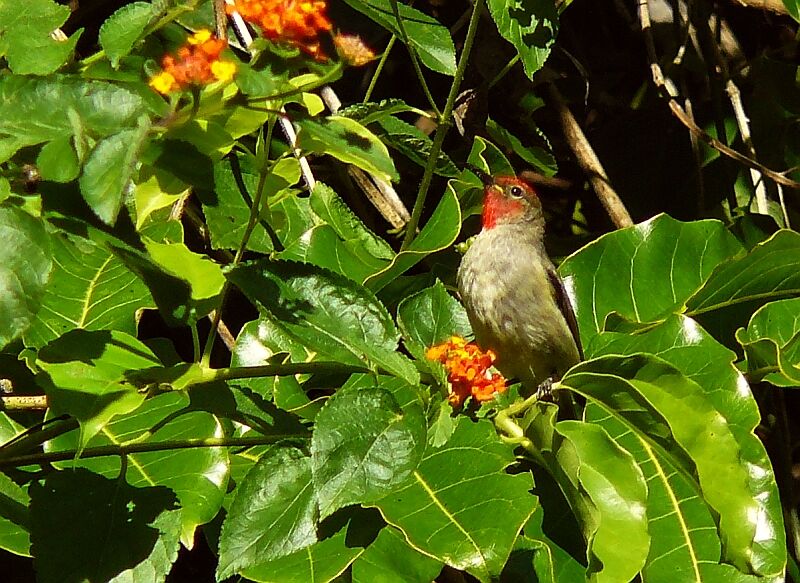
column 589, row 162
column 23, row 403
column 680, row 114
column 379, row 69
column 384, row 200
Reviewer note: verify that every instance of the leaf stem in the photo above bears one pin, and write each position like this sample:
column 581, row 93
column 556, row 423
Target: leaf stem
column 379, row 69
column 124, row 450
column 414, row 58
column 444, row 125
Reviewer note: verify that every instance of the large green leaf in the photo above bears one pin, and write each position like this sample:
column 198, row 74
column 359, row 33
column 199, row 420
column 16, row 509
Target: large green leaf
column 26, row 39
column 273, row 513
column 325, row 312
column 84, row 375
column 14, row 517
column 390, row 558
column 771, row 343
column 86, row 527
column 531, row 26
column 684, row 521
column 617, row 489
column 198, row 476
column 645, row 272
column 122, row 29
column 429, row 38
column 460, row 506
column 25, row 264
column 438, row 233
column 671, row 414
column 90, row 288
column 364, row 445
column 349, row 141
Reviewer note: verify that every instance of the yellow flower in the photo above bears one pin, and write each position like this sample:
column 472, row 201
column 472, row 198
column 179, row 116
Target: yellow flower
column 163, row 82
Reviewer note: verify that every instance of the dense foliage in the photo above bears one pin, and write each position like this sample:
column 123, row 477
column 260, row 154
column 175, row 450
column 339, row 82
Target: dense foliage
column 208, row 343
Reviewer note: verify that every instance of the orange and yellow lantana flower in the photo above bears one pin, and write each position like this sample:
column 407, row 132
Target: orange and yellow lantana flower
column 467, row 370
column 298, row 22
column 196, row 63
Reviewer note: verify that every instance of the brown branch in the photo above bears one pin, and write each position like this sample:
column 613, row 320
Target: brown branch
column 589, row 162
column 683, row 117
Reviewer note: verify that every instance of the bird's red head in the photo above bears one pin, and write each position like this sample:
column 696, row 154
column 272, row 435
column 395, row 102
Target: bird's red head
column 508, row 199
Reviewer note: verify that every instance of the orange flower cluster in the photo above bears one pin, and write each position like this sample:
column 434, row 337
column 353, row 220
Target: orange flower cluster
column 196, row 63
column 467, row 370
column 298, row 22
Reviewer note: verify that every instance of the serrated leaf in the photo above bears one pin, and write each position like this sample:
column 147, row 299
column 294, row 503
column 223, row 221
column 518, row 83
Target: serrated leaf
column 364, row 445
column 645, row 272
column 273, row 513
column 106, row 176
column 534, row 155
column 438, row 233
column 156, row 189
column 327, row 313
column 684, row 521
column 58, row 162
column 671, row 413
column 25, row 36
column 349, row 141
column 25, row 266
column 415, row 144
column 90, row 289
column 430, row 39
column 372, row 111
column 430, row 317
column 198, row 476
column 84, row 375
column 122, row 29
column 530, row 26
column 473, row 510
column 73, row 509
column 617, row 490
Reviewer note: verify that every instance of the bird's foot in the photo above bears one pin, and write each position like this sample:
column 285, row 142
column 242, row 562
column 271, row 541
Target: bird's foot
column 544, row 392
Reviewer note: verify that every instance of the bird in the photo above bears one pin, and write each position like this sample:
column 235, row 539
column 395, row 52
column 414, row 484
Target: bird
column 514, row 298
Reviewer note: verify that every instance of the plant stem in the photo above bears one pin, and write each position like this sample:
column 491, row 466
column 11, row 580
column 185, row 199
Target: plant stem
column 195, row 342
column 379, row 69
column 443, row 126
column 288, row 369
column 504, row 71
column 122, row 450
column 414, row 59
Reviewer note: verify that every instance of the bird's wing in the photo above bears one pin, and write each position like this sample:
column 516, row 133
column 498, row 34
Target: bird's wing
column 562, row 299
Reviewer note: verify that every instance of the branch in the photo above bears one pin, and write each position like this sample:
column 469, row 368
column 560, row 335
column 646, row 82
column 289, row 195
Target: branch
column 678, row 111
column 589, row 162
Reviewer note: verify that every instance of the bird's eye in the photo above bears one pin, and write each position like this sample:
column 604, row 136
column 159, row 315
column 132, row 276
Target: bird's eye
column 516, row 192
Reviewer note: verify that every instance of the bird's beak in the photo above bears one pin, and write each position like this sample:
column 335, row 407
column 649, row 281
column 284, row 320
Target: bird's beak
column 485, row 178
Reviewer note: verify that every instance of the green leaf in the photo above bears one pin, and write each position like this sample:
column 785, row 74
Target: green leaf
column 122, row 29
column 25, row 265
column 25, row 36
column 84, row 375
column 460, row 506
column 14, row 517
column 364, row 445
column 530, row 26
column 683, row 521
column 768, row 272
column 390, row 558
column 156, row 189
column 426, row 35
column 372, row 111
column 438, row 233
column 198, row 476
column 58, row 162
column 320, row 562
column 72, row 510
column 430, row 317
column 107, row 174
column 671, row 414
column 645, row 272
column 415, row 144
column 534, row 155
column 272, row 515
column 228, row 212
column 771, row 343
column 325, row 312
column 617, row 490
column 349, row 141
column 793, row 7
column 35, row 110
column 90, row 289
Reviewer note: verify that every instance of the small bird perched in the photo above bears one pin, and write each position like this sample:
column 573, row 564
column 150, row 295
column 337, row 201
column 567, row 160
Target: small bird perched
column 515, row 300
